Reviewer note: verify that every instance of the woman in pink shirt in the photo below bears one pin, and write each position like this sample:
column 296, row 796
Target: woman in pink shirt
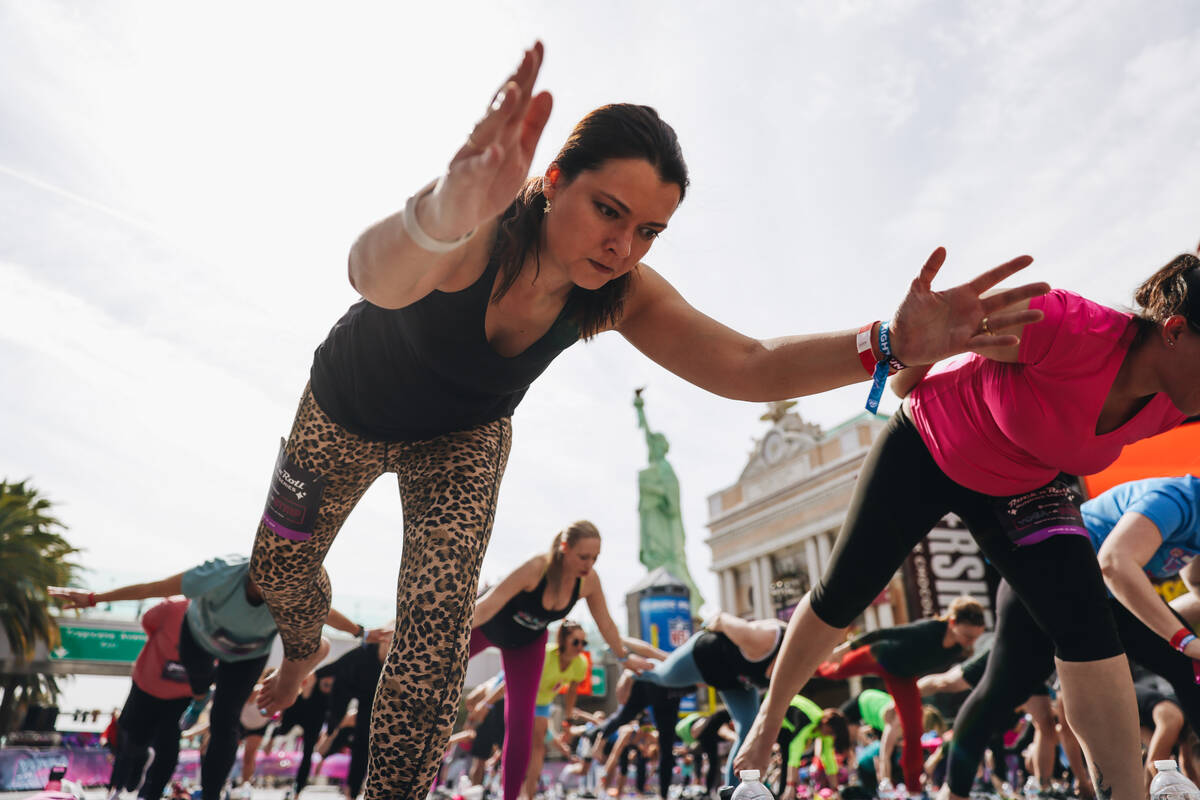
column 986, row 436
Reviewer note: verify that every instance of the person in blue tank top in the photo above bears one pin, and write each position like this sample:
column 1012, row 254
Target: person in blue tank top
column 514, row 615
column 1141, row 530
column 468, row 294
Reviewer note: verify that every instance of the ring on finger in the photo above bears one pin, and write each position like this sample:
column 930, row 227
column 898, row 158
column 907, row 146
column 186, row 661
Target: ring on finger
column 983, row 327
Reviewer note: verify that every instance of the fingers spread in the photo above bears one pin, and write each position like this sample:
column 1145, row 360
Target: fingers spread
column 996, row 274
column 1004, row 320
column 982, row 342
column 932, row 265
column 1011, row 297
column 535, row 120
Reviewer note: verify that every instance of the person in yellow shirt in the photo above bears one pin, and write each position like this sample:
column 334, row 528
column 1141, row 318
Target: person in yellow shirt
column 564, row 666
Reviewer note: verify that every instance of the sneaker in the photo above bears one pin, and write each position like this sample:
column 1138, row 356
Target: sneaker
column 191, row 714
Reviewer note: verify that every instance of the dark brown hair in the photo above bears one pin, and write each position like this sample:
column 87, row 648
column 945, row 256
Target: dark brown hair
column 613, row 131
column 565, row 538
column 1174, row 289
column 564, row 630
column 836, row 721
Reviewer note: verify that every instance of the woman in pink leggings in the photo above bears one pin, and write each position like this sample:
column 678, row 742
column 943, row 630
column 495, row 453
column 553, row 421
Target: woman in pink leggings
column 513, row 615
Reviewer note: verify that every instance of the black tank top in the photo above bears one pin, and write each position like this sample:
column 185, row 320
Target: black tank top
column 426, row 369
column 523, row 618
column 723, row 666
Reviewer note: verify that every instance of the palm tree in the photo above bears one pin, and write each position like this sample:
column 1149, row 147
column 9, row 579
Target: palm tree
column 33, row 555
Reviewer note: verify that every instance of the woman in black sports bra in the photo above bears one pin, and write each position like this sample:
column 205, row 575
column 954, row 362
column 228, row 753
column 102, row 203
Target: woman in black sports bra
column 514, row 614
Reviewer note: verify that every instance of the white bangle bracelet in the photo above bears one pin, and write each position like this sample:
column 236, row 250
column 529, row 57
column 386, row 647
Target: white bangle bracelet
column 420, row 237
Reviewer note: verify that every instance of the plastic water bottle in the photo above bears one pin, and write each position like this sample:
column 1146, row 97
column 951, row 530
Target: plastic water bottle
column 1032, row 788
column 1170, row 783
column 884, row 790
column 751, row 788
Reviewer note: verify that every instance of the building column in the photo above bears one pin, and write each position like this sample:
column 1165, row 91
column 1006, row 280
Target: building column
column 823, row 548
column 812, row 561
column 729, row 590
column 755, row 589
column 886, row 620
column 766, row 575
column 870, row 622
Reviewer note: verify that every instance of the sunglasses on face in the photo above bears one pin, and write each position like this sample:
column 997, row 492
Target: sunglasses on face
column 578, row 642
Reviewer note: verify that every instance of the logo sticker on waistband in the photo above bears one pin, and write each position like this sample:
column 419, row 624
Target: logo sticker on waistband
column 1032, row 517
column 293, row 500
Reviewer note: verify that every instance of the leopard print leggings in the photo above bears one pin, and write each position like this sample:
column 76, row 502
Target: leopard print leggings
column 448, row 489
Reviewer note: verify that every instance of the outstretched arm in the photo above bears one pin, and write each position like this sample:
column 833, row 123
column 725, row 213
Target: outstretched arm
column 608, row 629
column 389, row 268
column 339, row 621
column 77, row 598
column 1130, row 546
column 928, row 326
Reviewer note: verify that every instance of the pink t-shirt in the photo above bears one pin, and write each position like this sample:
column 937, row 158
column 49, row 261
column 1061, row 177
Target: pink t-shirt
column 1001, row 428
column 157, row 670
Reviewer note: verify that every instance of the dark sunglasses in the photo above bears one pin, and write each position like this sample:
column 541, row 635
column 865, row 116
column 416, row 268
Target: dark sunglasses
column 578, row 642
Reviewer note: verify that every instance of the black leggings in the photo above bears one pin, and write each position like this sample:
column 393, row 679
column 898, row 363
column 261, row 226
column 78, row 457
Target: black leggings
column 665, row 703
column 902, row 493
column 234, row 682
column 634, row 753
column 1021, row 660
column 707, row 744
column 309, row 714
column 147, row 721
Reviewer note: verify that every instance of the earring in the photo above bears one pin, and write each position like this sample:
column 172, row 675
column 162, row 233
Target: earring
column 547, row 211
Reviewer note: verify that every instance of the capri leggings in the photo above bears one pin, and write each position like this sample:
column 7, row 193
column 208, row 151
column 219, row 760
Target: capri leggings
column 1023, row 657
column 522, row 674
column 905, row 696
column 448, row 489
column 902, row 493
column 680, row 669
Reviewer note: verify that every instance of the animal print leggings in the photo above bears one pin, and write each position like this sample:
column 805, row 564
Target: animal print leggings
column 448, row 489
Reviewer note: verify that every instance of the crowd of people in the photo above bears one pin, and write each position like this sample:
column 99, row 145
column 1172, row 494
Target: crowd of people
column 470, row 292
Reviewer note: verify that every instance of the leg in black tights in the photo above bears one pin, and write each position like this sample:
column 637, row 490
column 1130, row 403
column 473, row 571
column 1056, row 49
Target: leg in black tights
column 1021, row 658
column 665, row 704
column 234, row 682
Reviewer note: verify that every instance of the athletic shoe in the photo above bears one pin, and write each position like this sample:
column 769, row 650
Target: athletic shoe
column 192, row 713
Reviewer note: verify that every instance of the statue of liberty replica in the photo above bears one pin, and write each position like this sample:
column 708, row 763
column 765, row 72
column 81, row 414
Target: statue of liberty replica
column 662, row 536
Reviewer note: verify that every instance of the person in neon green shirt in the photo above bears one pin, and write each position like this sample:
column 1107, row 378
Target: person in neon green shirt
column 564, row 666
column 807, row 722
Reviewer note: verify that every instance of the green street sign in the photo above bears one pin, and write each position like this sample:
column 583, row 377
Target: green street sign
column 80, row 643
column 599, row 683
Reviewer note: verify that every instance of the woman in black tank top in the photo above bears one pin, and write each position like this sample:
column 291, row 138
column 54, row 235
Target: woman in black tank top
column 513, row 615
column 468, row 294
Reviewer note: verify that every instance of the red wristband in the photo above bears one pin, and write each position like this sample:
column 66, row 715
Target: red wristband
column 1179, row 636
column 866, row 353
column 91, row 599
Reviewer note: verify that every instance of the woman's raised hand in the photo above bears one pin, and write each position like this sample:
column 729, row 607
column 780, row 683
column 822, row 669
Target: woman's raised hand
column 930, row 326
column 489, row 170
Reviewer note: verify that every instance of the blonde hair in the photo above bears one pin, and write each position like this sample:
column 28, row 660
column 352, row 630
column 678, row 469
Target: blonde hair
column 567, row 537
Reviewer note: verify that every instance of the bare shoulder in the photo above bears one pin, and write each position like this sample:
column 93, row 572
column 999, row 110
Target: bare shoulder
column 531, row 571
column 591, row 585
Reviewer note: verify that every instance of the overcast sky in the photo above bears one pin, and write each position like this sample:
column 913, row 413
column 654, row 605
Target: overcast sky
column 180, row 184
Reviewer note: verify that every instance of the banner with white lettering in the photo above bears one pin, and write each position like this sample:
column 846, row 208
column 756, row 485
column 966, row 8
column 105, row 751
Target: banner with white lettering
column 945, row 564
